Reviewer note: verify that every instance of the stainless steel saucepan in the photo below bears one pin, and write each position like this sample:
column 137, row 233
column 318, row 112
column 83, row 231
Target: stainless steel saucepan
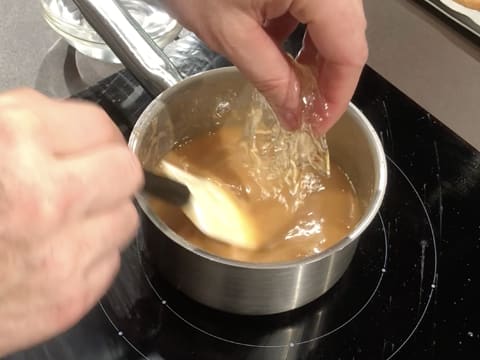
column 186, row 107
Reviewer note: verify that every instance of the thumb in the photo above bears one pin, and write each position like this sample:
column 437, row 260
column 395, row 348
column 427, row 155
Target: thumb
column 259, row 58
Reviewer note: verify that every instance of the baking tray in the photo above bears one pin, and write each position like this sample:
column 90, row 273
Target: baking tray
column 458, row 14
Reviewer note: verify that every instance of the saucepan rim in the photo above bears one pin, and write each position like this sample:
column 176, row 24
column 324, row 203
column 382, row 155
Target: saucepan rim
column 149, row 114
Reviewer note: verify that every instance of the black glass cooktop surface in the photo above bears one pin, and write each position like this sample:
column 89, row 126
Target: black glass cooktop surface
column 410, row 292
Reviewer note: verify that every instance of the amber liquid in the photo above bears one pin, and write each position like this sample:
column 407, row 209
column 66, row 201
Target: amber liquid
column 325, row 216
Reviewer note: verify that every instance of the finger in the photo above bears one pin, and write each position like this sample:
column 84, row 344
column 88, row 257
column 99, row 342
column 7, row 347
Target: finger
column 338, row 83
column 74, row 250
column 50, row 315
column 341, row 46
column 101, row 234
column 309, row 56
column 281, row 28
column 71, row 126
column 63, row 126
column 270, row 73
column 90, row 288
column 98, row 181
column 101, row 275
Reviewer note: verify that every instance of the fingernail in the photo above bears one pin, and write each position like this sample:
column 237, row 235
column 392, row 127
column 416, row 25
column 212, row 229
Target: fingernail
column 289, row 120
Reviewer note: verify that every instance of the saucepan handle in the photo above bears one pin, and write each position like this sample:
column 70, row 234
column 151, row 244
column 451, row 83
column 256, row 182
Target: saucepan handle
column 132, row 45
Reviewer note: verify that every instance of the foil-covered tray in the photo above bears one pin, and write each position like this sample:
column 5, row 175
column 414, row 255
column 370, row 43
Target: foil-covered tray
column 462, row 15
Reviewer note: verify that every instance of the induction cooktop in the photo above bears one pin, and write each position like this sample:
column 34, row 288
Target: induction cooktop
column 409, row 293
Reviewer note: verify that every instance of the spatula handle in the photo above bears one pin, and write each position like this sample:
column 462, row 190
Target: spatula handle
column 166, row 189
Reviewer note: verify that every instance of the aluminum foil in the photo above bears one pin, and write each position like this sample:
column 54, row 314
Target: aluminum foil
column 190, row 55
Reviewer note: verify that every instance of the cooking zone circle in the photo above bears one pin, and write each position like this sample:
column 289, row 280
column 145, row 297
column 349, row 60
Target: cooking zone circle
column 377, row 304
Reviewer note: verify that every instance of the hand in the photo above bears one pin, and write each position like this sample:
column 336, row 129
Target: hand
column 249, row 34
column 67, row 179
